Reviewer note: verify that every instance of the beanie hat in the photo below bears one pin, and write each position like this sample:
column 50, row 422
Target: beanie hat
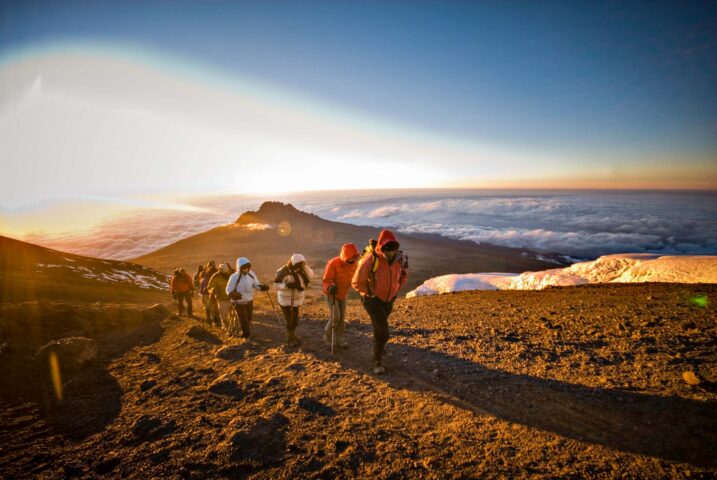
column 297, row 258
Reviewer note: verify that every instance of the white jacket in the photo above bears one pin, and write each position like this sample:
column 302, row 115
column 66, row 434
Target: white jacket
column 244, row 284
column 286, row 296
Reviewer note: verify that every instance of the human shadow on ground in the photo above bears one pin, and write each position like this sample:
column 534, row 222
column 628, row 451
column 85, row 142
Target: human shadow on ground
column 667, row 427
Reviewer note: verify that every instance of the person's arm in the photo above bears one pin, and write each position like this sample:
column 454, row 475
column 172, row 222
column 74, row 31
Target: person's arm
column 402, row 279
column 231, row 284
column 328, row 278
column 360, row 279
column 279, row 280
column 257, row 284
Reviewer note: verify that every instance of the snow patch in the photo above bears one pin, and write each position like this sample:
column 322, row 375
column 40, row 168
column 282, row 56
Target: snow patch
column 618, row 268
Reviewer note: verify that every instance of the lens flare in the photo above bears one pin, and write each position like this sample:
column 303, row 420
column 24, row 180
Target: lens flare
column 56, row 378
column 700, row 300
column 284, row 229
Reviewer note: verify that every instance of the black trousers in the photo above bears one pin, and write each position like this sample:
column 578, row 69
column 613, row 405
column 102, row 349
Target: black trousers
column 379, row 311
column 244, row 312
column 291, row 315
column 183, row 297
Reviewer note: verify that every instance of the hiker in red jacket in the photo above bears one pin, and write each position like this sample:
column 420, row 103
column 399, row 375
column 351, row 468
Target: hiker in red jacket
column 336, row 283
column 182, row 289
column 378, row 278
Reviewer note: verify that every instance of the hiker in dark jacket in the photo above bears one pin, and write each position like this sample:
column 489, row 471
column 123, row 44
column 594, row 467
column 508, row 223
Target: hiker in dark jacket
column 378, row 278
column 291, row 281
column 182, row 290
column 218, row 294
column 209, row 270
column 198, row 277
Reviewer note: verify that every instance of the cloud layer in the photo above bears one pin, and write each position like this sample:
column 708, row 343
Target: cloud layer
column 582, row 225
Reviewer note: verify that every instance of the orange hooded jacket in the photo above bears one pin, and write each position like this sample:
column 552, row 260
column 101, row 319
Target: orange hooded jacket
column 338, row 272
column 181, row 282
column 388, row 278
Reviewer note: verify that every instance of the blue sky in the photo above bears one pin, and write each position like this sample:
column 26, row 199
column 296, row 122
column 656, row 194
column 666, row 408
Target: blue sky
column 586, row 75
column 100, row 100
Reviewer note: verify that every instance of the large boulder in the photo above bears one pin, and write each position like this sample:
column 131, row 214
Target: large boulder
column 71, row 352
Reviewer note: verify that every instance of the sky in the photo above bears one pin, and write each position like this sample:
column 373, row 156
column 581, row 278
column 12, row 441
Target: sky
column 109, row 103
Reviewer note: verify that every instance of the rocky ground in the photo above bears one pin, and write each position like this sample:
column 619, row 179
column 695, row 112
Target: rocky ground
column 590, row 382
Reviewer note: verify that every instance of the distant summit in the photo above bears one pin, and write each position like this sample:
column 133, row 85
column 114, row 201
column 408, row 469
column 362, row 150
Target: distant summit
column 275, row 212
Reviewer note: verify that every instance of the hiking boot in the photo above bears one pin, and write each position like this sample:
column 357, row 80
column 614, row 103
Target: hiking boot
column 378, row 369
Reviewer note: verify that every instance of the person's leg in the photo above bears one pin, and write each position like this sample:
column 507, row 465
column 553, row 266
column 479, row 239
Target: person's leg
column 224, row 307
column 244, row 320
column 180, row 304
column 205, row 307
column 250, row 310
column 340, row 323
column 188, row 299
column 330, row 322
column 379, row 318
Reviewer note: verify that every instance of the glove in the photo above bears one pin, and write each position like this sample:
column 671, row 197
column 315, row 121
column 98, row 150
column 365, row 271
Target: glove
column 264, row 288
column 332, row 290
column 235, row 296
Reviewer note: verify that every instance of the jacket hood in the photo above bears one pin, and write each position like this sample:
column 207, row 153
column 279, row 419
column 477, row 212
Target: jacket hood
column 242, row 261
column 225, row 268
column 347, row 251
column 386, row 236
column 297, row 258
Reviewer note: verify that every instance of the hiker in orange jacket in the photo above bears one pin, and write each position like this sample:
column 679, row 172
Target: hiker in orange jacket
column 378, row 278
column 182, row 289
column 336, row 283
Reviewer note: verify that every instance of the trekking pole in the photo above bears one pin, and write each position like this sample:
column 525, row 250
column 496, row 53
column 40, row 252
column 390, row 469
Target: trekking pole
column 333, row 322
column 278, row 318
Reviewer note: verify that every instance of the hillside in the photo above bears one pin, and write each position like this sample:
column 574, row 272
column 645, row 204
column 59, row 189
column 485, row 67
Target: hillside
column 270, row 235
column 580, row 382
column 31, row 272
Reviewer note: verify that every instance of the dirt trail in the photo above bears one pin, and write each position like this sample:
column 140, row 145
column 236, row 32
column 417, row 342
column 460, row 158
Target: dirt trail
column 582, row 382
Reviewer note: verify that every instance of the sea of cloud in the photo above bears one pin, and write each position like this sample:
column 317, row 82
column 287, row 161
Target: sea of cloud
column 582, row 225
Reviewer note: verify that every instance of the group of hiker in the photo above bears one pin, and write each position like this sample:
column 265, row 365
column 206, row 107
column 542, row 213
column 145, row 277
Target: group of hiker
column 377, row 274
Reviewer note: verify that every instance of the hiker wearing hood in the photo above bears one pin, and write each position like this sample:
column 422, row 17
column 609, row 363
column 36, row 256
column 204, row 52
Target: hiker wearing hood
column 182, row 290
column 240, row 289
column 336, row 283
column 291, row 280
column 378, row 279
column 218, row 293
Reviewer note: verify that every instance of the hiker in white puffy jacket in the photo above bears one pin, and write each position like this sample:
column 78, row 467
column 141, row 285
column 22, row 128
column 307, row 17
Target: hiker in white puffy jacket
column 240, row 289
column 291, row 281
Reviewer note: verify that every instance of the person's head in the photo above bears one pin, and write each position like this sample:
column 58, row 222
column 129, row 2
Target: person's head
column 387, row 244
column 297, row 261
column 181, row 270
column 349, row 253
column 243, row 265
column 390, row 250
column 200, row 268
column 211, row 265
column 225, row 268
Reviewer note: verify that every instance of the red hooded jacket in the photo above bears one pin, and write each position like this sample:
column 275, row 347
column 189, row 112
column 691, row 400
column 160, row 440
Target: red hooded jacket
column 338, row 272
column 389, row 278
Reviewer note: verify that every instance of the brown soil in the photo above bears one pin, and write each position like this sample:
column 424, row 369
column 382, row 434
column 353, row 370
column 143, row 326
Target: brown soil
column 582, row 382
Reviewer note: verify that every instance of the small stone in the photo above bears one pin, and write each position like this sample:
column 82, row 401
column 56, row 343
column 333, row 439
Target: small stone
column 690, row 378
column 147, row 384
